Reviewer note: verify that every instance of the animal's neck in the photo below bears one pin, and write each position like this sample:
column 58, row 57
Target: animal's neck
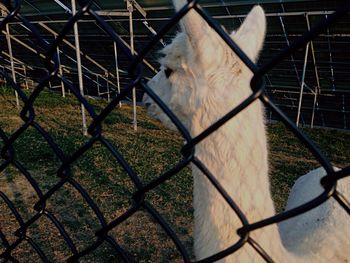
column 237, row 155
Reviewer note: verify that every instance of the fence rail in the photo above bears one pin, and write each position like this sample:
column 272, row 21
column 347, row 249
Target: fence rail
column 95, row 135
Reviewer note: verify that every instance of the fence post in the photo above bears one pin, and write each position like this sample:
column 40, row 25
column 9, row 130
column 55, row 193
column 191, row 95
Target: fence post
column 80, row 73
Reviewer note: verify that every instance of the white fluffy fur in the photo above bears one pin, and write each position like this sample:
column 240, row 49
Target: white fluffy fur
column 207, row 81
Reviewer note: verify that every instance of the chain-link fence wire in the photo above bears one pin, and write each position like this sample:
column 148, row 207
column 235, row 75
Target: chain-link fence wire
column 64, row 173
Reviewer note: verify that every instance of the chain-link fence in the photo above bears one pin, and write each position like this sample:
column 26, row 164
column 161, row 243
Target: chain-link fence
column 65, row 175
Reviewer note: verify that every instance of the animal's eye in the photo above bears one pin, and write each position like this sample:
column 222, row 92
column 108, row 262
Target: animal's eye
column 168, row 72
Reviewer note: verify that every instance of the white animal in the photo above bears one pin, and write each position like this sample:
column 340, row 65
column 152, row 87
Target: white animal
column 201, row 80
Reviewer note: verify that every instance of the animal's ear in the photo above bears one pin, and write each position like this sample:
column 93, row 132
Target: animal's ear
column 204, row 41
column 251, row 34
column 192, row 23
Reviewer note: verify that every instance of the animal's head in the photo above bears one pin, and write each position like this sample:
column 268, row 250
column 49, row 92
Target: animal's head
column 200, row 75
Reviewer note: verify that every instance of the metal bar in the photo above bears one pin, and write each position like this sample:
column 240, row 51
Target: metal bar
column 302, row 84
column 288, row 44
column 130, row 9
column 25, row 77
column 135, row 4
column 144, row 35
column 17, row 73
column 318, row 88
column 117, row 69
column 149, row 65
column 108, row 91
column 15, row 59
column 309, row 108
column 8, row 38
column 61, row 73
column 98, row 86
column 112, row 13
column 301, row 13
column 291, row 56
column 330, row 59
column 24, row 44
column 170, row 7
column 3, row 9
column 63, row 6
column 292, row 89
column 151, row 29
column 313, row 110
column 80, row 73
column 227, row 4
column 74, row 47
column 42, row 24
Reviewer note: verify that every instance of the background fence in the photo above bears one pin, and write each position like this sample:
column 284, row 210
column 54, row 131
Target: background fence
column 47, row 53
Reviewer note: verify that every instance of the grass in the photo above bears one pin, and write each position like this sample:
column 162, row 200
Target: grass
column 150, row 151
